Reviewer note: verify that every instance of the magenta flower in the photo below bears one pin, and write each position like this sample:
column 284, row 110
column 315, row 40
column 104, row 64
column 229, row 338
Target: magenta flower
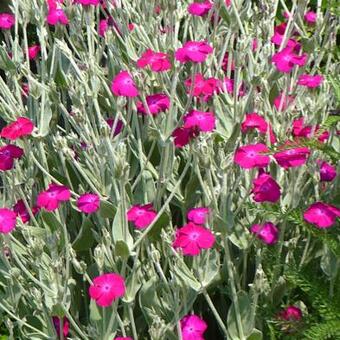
column 322, row 215
column 141, row 215
column 265, row 188
column 277, row 38
column 195, row 51
column 305, row 131
column 282, row 102
column 229, row 87
column 57, row 16
column 198, row 215
column 286, row 59
column 279, row 32
column 33, row 51
column 252, row 156
column 203, row 121
column 254, row 45
column 157, row 103
column 267, row 232
column 107, row 288
column 200, row 8
column 88, row 203
column 6, row 21
column 310, row 81
column 292, row 158
column 66, row 325
column 7, row 220
column 21, row 127
column 202, row 86
column 20, row 209
column 193, row 327
column 123, row 85
column 192, row 238
column 157, row 61
column 310, row 17
column 254, row 121
column 8, row 154
column 53, row 196
column 183, row 136
column 119, row 125
column 53, row 4
column 291, row 313
column 103, row 27
column 327, row 171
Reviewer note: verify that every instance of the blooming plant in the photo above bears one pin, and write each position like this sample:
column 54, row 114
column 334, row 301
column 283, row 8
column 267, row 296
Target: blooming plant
column 169, row 170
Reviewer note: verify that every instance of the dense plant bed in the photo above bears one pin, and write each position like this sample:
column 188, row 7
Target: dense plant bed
column 169, row 170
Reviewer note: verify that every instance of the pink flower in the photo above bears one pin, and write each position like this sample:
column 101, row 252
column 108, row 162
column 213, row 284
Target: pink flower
column 123, row 338
column 193, row 327
column 157, row 61
column 87, row 2
column 157, row 103
column 254, row 44
column 21, row 127
column 254, row 121
column 285, row 60
column 200, row 8
column 293, row 157
column 265, row 188
column 88, row 203
column 198, row 215
column 66, row 325
column 300, row 130
column 327, row 171
column 257, row 122
column 322, row 215
column 8, row 154
column 103, row 27
column 291, row 313
column 56, row 16
column 33, row 51
column 310, row 81
column 252, row 156
column 202, row 86
column 6, row 21
column 53, row 4
column 119, row 125
column 183, row 136
column 203, row 121
column 310, row 17
column 20, row 209
column 229, row 87
column 282, row 102
column 192, row 238
column 267, row 232
column 53, row 196
column 7, row 220
column 107, row 288
column 141, row 215
column 277, row 38
column 123, row 85
column 227, row 2
column 195, row 51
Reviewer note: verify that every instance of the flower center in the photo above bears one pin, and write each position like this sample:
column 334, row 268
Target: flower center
column 194, row 236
